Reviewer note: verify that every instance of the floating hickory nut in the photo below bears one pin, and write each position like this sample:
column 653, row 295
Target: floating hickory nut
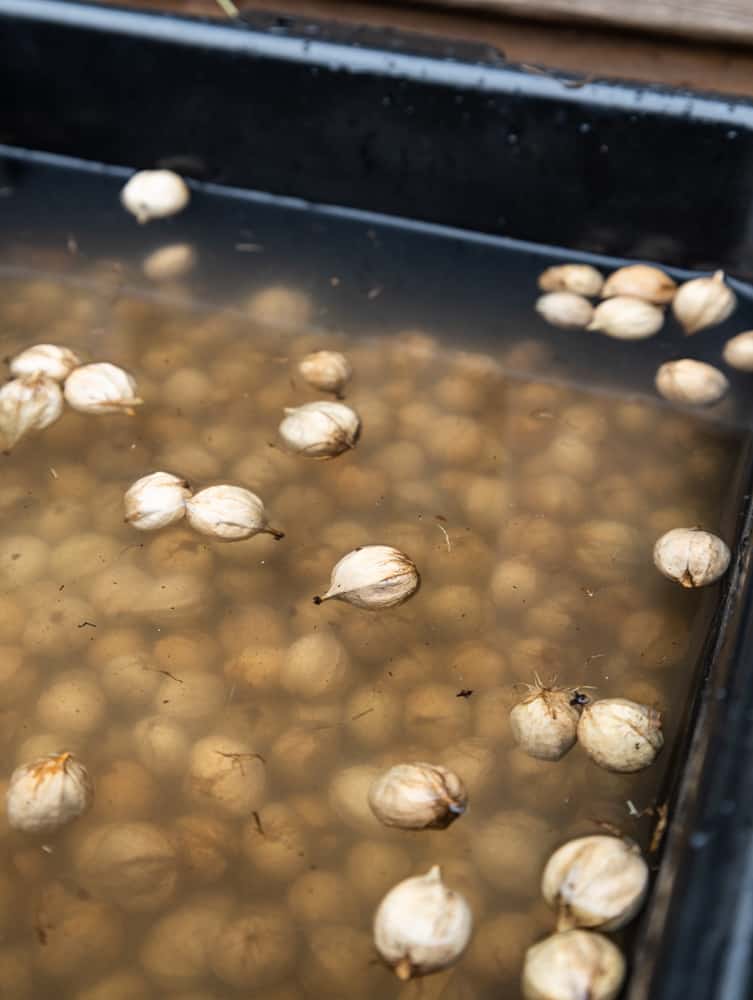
column 329, row 371
column 545, row 723
column 418, row 797
column 155, row 501
column 320, row 430
column 169, row 262
column 689, row 381
column 738, row 351
column 373, row 577
column 641, row 281
column 48, row 793
column 155, row 194
column 229, row 513
column 598, row 882
column 574, row 965
column 421, row 926
column 703, row 302
column 691, row 557
column 582, row 279
column 101, row 388
column 45, row 359
column 620, row 735
column 627, row 318
column 30, row 403
column 564, row 309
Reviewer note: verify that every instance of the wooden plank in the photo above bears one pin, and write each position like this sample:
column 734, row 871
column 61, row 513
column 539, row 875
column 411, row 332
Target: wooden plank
column 584, row 49
column 728, row 20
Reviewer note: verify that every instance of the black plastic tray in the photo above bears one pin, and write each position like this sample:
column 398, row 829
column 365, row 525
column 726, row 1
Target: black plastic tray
column 454, row 136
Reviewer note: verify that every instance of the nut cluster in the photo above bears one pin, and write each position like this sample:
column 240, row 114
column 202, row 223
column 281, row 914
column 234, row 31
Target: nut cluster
column 631, row 308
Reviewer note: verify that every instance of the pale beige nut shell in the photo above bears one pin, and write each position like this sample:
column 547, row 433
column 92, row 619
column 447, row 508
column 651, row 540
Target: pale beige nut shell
column 421, row 926
column 565, row 309
column 703, row 302
column 620, row 735
column 574, row 965
column 694, row 383
column 373, row 577
column 691, row 557
column 155, row 194
column 418, row 796
column 627, row 318
column 642, row 281
column 544, row 724
column 738, row 351
column 581, row 279
column 599, row 882
column 328, row 371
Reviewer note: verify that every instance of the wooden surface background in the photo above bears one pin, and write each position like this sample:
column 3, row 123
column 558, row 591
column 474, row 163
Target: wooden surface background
column 591, row 50
column 731, row 20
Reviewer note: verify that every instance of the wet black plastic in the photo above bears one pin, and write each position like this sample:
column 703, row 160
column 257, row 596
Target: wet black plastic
column 454, row 136
column 387, row 124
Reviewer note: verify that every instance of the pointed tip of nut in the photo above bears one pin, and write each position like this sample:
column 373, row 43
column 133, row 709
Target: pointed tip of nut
column 403, row 970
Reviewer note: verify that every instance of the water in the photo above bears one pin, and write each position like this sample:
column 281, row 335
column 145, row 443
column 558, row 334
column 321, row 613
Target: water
column 494, row 450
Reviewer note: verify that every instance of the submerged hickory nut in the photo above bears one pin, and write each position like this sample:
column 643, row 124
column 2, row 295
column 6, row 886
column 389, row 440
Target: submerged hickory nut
column 329, row 371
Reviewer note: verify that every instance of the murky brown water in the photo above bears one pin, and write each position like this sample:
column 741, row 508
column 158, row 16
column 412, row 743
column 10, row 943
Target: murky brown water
column 531, row 509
